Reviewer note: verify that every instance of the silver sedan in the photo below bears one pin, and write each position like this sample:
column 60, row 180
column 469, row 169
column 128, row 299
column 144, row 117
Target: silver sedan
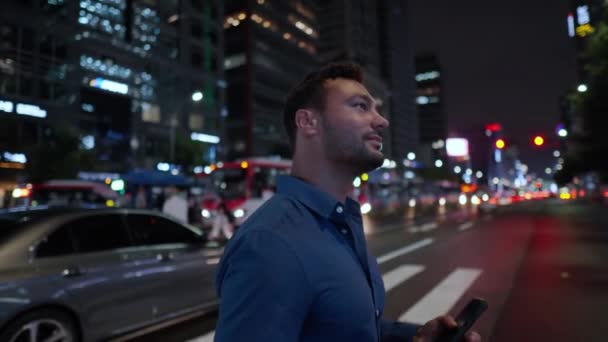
column 89, row 275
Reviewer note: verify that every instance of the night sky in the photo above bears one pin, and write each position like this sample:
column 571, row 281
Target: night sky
column 502, row 61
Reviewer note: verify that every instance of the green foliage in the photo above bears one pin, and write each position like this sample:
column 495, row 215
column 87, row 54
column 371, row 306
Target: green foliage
column 189, row 153
column 59, row 156
column 592, row 106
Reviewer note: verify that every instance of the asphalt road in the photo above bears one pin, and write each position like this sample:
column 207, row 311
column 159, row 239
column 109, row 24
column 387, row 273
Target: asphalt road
column 542, row 267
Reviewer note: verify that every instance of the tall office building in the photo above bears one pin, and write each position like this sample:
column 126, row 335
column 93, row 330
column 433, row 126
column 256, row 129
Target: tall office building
column 270, row 46
column 429, row 99
column 397, row 61
column 132, row 76
column 374, row 35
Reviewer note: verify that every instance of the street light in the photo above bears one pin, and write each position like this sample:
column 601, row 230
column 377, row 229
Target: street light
column 562, row 132
column 457, row 169
column 197, row 96
column 438, row 163
column 411, row 156
column 539, row 141
column 582, row 88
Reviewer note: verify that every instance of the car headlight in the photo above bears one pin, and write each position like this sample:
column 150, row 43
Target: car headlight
column 366, row 208
column 205, row 213
column 238, row 213
column 462, row 199
column 442, row 201
column 412, row 203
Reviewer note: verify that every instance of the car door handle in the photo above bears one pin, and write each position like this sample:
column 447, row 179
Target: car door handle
column 165, row 257
column 72, row 271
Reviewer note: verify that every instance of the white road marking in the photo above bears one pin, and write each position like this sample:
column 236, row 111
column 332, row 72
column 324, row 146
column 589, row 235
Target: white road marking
column 465, row 226
column 404, row 250
column 442, row 297
column 402, row 273
column 427, row 227
column 208, row 337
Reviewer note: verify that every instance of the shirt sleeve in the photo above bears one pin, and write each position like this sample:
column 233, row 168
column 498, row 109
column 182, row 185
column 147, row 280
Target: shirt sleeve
column 392, row 331
column 264, row 292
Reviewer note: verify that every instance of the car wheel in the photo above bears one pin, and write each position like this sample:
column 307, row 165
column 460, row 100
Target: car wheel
column 41, row 325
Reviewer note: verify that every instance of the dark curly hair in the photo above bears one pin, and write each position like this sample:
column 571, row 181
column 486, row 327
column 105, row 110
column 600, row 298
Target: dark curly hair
column 310, row 93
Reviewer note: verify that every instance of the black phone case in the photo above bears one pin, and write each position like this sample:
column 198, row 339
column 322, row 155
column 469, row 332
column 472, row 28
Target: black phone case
column 465, row 319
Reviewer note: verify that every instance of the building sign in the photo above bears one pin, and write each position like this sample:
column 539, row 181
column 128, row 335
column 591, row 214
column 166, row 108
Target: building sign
column 570, row 25
column 23, row 109
column 583, row 19
column 426, row 76
column 582, row 15
column 115, row 87
column 457, row 147
column 212, row 139
column 14, row 157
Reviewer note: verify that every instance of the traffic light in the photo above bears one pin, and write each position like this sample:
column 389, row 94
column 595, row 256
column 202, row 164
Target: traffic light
column 500, row 144
column 539, row 141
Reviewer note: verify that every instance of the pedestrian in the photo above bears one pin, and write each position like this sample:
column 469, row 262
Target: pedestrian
column 223, row 222
column 298, row 269
column 176, row 204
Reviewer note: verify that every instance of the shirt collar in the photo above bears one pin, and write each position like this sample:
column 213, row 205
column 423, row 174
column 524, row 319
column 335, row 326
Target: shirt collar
column 315, row 199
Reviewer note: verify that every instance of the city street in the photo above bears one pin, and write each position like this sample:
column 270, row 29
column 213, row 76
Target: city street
column 540, row 265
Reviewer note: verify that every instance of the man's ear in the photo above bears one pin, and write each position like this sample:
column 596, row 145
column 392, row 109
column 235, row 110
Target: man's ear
column 307, row 121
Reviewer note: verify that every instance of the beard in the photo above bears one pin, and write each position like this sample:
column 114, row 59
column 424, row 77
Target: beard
column 350, row 149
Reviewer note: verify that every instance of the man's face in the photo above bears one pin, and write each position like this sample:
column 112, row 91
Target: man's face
column 352, row 128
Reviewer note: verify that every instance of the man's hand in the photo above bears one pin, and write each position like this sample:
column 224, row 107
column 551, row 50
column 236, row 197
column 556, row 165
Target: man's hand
column 432, row 329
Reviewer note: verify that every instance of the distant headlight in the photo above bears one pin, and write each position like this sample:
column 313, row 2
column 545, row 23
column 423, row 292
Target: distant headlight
column 205, row 213
column 412, row 203
column 462, row 199
column 442, row 201
column 238, row 213
column 366, row 208
column 475, row 200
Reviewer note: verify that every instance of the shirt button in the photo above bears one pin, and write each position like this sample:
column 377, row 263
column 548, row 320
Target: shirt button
column 344, row 231
column 339, row 209
column 377, row 313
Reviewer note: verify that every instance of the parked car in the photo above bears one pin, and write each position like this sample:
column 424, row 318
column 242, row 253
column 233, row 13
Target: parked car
column 91, row 274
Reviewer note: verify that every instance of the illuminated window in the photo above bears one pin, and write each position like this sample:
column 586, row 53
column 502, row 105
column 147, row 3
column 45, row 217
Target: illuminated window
column 195, row 122
column 302, row 26
column 234, row 61
column 150, row 113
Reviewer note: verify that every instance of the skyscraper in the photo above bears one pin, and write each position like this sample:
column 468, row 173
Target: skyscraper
column 132, row 76
column 270, row 46
column 374, row 35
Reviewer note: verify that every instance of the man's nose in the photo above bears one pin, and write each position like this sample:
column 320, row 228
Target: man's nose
column 380, row 122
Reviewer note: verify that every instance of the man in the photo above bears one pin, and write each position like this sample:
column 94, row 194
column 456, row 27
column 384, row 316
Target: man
column 299, row 269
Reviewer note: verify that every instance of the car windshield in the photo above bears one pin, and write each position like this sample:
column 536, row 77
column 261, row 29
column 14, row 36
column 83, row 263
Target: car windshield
column 13, row 221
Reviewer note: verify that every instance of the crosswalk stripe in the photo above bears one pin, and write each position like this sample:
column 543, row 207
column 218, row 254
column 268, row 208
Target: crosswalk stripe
column 428, row 226
column 465, row 226
column 208, row 337
column 442, row 297
column 399, row 275
column 404, row 250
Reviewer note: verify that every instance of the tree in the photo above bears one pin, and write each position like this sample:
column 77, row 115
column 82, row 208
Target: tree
column 59, row 156
column 189, row 153
column 592, row 106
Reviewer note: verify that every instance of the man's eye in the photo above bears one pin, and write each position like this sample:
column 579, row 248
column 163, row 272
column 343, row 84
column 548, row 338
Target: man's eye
column 361, row 105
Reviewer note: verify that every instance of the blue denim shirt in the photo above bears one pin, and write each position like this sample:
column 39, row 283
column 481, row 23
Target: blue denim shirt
column 299, row 270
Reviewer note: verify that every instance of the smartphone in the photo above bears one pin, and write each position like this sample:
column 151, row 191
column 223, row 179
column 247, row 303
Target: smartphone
column 465, row 319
